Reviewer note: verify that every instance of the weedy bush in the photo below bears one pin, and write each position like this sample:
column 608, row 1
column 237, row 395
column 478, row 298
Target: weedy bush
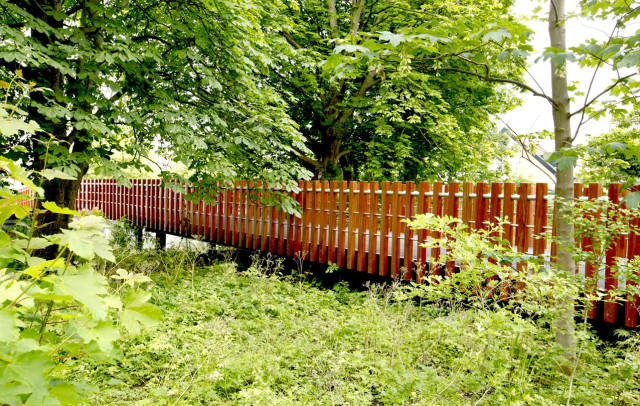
column 251, row 340
column 520, row 296
column 56, row 313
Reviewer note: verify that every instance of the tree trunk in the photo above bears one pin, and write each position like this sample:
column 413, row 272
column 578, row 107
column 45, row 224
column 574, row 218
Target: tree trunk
column 61, row 191
column 329, row 154
column 564, row 185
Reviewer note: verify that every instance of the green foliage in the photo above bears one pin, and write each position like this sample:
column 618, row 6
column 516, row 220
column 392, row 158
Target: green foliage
column 55, row 313
column 369, row 94
column 181, row 78
column 488, row 268
column 251, row 340
column 613, row 156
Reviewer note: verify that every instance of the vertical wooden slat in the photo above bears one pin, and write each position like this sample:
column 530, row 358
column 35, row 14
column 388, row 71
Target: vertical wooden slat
column 162, row 205
column 363, row 225
column 182, row 210
column 155, row 218
column 258, row 225
column 481, row 205
column 395, row 229
column 354, row 217
column 266, row 219
column 385, row 204
column 92, row 194
column 121, row 212
column 142, row 215
column 577, row 193
column 373, row 228
column 242, row 215
column 292, row 235
column 422, row 208
column 193, row 212
column 201, row 216
column 282, row 230
column 508, row 217
column 123, row 203
column 616, row 250
column 467, row 205
column 89, row 200
column 495, row 210
column 139, row 202
column 178, row 212
column 409, row 211
column 333, row 221
column 98, row 203
column 299, row 221
column 307, row 215
column 631, row 305
column 78, row 196
column 250, row 195
column 206, row 218
column 590, row 269
column 522, row 240
column 106, row 187
column 106, row 197
column 119, row 209
column 540, row 220
column 434, row 268
column 261, row 215
column 452, row 211
column 274, row 227
column 111, row 196
column 81, row 194
column 114, row 200
column 167, row 208
column 342, row 223
column 220, row 212
column 197, row 214
column 508, row 211
column 316, row 207
column 148, row 204
column 324, row 221
column 127, row 194
column 153, row 204
column 235, row 233
column 211, row 213
column 171, row 210
column 229, row 203
column 131, row 201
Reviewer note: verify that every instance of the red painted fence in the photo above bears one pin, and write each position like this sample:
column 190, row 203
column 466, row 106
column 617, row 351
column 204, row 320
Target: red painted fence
column 358, row 225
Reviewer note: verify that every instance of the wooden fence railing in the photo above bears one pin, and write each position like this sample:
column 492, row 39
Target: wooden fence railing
column 358, row 225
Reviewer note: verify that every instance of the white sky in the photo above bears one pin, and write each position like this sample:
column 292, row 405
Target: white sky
column 535, row 112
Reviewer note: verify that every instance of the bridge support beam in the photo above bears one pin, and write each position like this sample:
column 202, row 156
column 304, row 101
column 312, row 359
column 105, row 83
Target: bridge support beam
column 161, row 238
column 139, row 239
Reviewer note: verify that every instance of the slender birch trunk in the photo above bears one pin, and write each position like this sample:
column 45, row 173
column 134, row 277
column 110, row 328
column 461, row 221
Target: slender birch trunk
column 564, row 185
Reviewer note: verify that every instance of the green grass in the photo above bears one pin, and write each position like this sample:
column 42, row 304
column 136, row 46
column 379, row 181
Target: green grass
column 230, row 339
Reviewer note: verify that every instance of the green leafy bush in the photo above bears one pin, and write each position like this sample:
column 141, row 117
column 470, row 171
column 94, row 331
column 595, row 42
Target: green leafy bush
column 56, row 312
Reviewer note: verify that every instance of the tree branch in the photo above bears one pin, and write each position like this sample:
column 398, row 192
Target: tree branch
column 595, row 98
column 305, row 158
column 356, row 12
column 333, row 18
column 488, row 78
column 290, row 40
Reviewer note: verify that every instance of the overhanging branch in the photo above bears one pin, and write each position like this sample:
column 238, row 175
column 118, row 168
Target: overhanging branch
column 488, row 78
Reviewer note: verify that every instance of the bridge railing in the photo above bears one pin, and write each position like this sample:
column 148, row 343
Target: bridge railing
column 359, row 225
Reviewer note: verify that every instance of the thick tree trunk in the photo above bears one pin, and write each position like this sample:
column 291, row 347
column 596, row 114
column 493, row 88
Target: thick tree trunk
column 61, row 191
column 329, row 154
column 564, row 184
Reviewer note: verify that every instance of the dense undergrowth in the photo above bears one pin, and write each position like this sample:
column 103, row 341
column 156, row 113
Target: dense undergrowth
column 252, row 339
